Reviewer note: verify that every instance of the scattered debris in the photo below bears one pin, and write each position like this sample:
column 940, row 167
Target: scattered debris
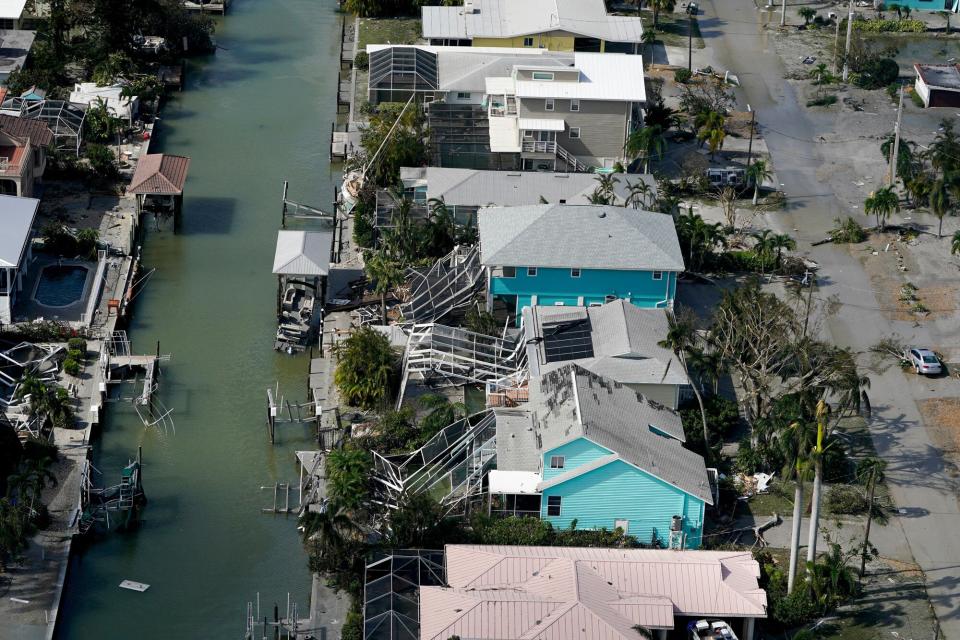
column 133, row 585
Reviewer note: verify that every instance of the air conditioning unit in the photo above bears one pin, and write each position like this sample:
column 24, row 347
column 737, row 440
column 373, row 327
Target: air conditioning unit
column 470, row 7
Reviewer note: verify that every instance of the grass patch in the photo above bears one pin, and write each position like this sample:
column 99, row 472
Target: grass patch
column 389, row 31
column 672, row 31
column 823, row 101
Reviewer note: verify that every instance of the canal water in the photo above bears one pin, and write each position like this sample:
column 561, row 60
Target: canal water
column 253, row 115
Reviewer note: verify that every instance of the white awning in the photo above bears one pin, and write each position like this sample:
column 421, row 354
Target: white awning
column 303, row 253
column 513, row 481
column 542, row 124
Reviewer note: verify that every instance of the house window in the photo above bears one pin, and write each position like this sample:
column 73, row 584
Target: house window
column 509, row 272
column 528, row 135
column 528, row 42
column 556, row 462
column 658, row 275
column 532, row 272
column 574, row 133
column 553, row 505
column 463, row 95
column 574, row 273
column 574, row 105
column 543, row 75
column 548, row 105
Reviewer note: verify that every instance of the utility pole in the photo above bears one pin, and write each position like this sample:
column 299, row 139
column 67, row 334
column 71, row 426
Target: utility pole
column 846, row 51
column 753, row 119
column 836, row 49
column 783, row 14
column 894, row 152
column 689, row 42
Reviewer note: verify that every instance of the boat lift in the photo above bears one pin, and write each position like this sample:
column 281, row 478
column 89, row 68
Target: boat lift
column 125, row 500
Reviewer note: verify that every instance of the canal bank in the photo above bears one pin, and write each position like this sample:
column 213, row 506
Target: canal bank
column 250, row 117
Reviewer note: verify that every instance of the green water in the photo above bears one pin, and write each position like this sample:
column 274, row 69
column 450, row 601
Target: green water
column 256, row 113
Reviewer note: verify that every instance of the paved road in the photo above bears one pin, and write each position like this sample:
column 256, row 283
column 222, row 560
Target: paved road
column 922, row 480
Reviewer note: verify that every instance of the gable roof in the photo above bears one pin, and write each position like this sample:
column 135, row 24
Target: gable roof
column 574, row 592
column 573, row 403
column 16, row 220
column 581, row 236
column 603, row 76
column 624, row 340
column 303, row 253
column 159, row 174
column 512, row 18
column 36, row 131
column 472, row 187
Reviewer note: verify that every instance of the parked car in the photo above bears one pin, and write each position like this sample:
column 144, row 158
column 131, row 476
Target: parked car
column 924, row 361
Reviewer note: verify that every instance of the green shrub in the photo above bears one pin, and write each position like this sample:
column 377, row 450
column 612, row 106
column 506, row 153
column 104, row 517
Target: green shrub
column 78, row 344
column 889, row 26
column 682, row 75
column 916, row 99
column 795, row 609
column 877, row 73
column 822, row 101
column 102, row 161
column 846, row 499
column 71, row 366
column 847, row 231
column 364, row 233
column 362, row 60
column 75, row 354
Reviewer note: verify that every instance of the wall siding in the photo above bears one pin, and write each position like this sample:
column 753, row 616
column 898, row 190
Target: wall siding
column 557, row 285
column 619, row 491
column 665, row 394
column 553, row 40
column 603, row 125
column 576, row 453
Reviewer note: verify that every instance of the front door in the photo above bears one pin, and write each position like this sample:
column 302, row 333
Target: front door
column 621, row 524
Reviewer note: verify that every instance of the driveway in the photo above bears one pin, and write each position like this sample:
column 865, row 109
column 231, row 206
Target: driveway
column 922, row 480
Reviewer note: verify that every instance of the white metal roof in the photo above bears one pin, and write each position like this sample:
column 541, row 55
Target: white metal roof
column 542, row 124
column 513, row 481
column 504, row 135
column 603, row 76
column 511, row 18
column 89, row 93
column 16, row 219
column 12, row 9
column 303, row 253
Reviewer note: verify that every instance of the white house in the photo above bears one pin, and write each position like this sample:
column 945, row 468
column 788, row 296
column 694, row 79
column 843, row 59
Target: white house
column 16, row 221
column 119, row 105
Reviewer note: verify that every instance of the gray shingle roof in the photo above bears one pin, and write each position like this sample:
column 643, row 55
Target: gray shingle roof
column 583, row 236
column 470, row 187
column 575, row 403
column 16, row 219
column 625, row 343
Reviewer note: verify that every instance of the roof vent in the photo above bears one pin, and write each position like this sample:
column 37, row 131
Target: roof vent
column 601, row 214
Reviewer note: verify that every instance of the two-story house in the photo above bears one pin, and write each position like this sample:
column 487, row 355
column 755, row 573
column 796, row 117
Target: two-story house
column 559, row 25
column 590, row 450
column 577, row 255
column 16, row 222
column 567, row 119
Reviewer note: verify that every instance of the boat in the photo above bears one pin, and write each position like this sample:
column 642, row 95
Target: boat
column 296, row 318
column 710, row 630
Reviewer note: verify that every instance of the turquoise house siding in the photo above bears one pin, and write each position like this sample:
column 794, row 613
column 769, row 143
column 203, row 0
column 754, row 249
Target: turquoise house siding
column 929, row 5
column 576, row 453
column 552, row 286
column 620, row 491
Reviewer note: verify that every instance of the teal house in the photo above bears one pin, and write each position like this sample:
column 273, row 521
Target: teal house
column 577, row 255
column 598, row 453
column 927, row 5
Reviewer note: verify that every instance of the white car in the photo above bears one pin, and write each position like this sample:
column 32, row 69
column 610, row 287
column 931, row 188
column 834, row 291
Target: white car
column 924, row 361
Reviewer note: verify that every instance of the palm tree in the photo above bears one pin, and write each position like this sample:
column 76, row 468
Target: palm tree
column 637, row 194
column 59, row 408
column 918, row 187
column 681, row 339
column 939, row 203
column 646, row 142
column 327, row 530
column 347, row 476
column 387, row 274
column 946, row 16
column 807, row 13
column 882, row 203
column 870, row 471
column 955, row 243
column 906, row 10
column 36, row 389
column 712, row 130
column 758, row 172
column 658, row 6
column 763, row 247
column 794, row 443
column 605, row 185
column 780, row 242
column 649, row 38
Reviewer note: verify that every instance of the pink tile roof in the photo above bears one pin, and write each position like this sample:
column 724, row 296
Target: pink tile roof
column 159, row 174
column 561, row 593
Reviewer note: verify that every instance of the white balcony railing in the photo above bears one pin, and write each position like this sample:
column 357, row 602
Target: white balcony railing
column 536, row 146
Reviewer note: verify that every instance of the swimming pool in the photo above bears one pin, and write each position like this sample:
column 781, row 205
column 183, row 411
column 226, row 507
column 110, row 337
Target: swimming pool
column 61, row 285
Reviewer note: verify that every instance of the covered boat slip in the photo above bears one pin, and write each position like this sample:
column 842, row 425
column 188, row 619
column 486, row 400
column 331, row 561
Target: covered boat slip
column 301, row 263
